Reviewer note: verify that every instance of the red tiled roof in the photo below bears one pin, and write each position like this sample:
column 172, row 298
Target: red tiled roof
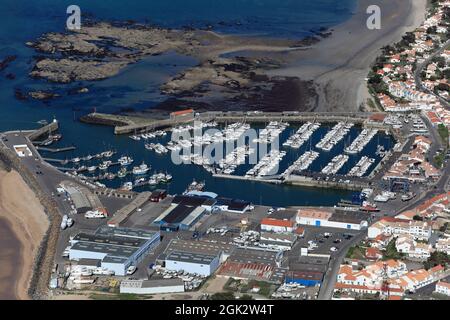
column 181, row 112
column 277, row 222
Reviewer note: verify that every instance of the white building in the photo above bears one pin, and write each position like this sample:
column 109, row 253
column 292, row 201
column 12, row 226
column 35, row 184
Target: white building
column 443, row 288
column 420, row 230
column 443, row 245
column 277, row 225
column 117, row 248
column 407, row 244
column 152, row 286
column 203, row 264
column 344, row 220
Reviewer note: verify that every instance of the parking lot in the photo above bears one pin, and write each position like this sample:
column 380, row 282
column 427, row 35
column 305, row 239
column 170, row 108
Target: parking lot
column 321, row 240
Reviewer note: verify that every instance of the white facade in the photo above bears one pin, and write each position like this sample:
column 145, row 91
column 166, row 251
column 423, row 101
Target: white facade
column 443, row 245
column 193, row 265
column 443, row 288
column 332, row 224
column 417, row 229
column 151, row 287
column 278, row 229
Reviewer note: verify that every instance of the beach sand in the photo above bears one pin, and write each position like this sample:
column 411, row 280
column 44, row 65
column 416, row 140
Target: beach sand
column 24, row 223
column 340, row 63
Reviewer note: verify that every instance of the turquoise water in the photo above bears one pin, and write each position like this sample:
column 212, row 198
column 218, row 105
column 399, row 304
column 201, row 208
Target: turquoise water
column 137, row 86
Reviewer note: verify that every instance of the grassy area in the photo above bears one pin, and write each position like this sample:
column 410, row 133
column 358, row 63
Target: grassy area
column 439, row 159
column 443, row 132
column 222, row 296
column 118, row 296
column 356, row 252
column 437, row 258
column 232, row 285
column 265, row 288
column 391, row 252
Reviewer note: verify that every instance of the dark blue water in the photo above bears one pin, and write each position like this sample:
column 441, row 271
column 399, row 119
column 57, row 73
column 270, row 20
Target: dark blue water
column 137, row 86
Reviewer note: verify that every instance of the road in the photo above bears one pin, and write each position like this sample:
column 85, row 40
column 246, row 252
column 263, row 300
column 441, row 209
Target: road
column 418, row 71
column 326, row 290
column 329, row 280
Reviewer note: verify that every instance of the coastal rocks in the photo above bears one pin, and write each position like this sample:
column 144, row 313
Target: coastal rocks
column 69, row 70
column 42, row 95
column 101, row 50
column 78, row 90
column 5, row 62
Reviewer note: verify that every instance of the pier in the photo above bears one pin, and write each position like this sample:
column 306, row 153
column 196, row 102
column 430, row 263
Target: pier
column 55, row 150
column 349, row 184
column 135, row 124
column 50, row 128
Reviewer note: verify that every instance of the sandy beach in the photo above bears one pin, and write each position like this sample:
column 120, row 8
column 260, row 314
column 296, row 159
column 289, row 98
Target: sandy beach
column 24, row 223
column 340, row 63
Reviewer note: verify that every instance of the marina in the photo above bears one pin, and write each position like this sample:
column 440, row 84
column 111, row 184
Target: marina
column 335, row 135
column 361, row 141
column 268, row 165
column 302, row 135
column 336, row 164
column 231, row 172
column 302, row 163
column 361, row 167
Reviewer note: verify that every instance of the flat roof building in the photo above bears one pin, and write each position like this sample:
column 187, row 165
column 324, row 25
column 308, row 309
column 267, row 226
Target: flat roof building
column 152, row 286
column 283, row 241
column 200, row 246
column 183, row 212
column 203, row 264
column 116, row 248
column 338, row 219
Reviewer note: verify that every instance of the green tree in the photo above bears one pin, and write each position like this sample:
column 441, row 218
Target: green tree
column 437, row 258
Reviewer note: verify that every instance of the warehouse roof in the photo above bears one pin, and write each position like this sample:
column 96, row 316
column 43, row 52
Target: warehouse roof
column 120, row 241
column 247, row 255
column 349, row 217
column 304, row 275
column 90, row 262
column 190, row 257
column 79, row 199
column 314, row 214
column 199, row 246
column 189, row 200
column 126, row 232
column 278, row 237
column 107, row 249
column 111, row 259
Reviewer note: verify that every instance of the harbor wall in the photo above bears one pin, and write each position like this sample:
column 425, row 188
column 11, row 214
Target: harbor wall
column 43, row 261
column 51, row 127
column 126, row 124
column 308, row 182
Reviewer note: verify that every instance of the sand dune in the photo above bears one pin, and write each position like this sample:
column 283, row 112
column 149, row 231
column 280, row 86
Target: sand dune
column 28, row 221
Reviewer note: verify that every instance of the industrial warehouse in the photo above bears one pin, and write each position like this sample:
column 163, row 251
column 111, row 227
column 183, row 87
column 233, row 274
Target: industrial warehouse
column 117, row 248
column 352, row 220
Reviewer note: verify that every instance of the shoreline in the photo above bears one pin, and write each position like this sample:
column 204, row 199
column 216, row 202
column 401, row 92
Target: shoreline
column 339, row 64
column 26, row 219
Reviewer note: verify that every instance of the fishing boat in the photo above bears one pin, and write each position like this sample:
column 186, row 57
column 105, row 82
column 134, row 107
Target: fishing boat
column 125, row 161
column 104, row 165
column 142, row 169
column 128, row 186
column 107, row 154
column 139, row 181
column 122, row 173
column 195, row 186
